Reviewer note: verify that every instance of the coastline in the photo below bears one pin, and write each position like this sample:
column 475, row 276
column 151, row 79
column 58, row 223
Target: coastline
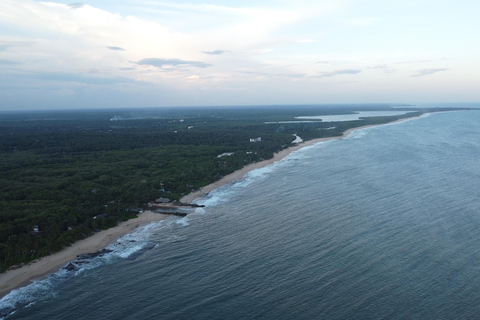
column 191, row 197
column 23, row 276
column 20, row 277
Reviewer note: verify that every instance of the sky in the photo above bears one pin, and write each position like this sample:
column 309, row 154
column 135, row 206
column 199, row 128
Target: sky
column 147, row 53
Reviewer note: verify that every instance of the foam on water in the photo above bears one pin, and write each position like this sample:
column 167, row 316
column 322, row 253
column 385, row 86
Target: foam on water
column 183, row 222
column 27, row 296
column 357, row 134
column 129, row 246
column 135, row 243
column 143, row 233
column 361, row 133
column 326, row 241
column 224, row 193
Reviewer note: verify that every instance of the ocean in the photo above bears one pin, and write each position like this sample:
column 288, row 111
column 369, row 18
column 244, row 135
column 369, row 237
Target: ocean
column 382, row 224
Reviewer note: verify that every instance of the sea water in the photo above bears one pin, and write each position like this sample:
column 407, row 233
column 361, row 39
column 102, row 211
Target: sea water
column 382, row 224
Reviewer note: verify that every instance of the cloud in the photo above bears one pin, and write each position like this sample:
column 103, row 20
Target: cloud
column 383, row 67
column 339, row 72
column 160, row 63
column 76, row 5
column 426, row 72
column 4, row 45
column 216, row 52
column 8, row 62
column 282, row 75
column 413, row 61
column 292, row 75
column 85, row 79
column 258, row 73
column 115, row 48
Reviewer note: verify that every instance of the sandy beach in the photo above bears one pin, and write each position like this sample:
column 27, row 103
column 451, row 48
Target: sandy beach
column 22, row 276
column 189, row 198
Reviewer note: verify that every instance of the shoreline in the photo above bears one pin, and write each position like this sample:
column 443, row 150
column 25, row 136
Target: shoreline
column 24, row 275
column 200, row 193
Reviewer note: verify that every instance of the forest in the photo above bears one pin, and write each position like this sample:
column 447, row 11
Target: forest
column 67, row 174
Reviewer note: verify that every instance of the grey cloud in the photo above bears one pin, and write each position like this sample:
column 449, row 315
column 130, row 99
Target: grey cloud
column 216, row 52
column 292, row 75
column 325, row 62
column 115, row 48
column 8, row 62
column 284, row 75
column 86, row 79
column 383, row 67
column 256, row 72
column 413, row 61
column 339, row 72
column 76, row 5
column 4, row 45
column 159, row 63
column 425, row 72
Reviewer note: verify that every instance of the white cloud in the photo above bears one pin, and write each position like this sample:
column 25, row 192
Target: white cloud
column 339, row 72
column 115, row 48
column 172, row 63
column 8, row 62
column 426, row 72
column 384, row 67
column 216, row 52
column 284, row 47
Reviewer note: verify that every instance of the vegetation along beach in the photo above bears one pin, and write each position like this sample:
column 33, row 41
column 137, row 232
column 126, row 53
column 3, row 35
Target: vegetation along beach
column 101, row 178
column 218, row 159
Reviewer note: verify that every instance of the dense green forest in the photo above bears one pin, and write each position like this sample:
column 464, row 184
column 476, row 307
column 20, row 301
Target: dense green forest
column 65, row 175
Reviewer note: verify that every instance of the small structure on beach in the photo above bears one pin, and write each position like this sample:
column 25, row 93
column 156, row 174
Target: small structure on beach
column 162, row 200
column 297, row 139
column 225, row 154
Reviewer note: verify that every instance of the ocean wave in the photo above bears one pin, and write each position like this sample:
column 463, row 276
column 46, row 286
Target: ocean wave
column 183, row 222
column 358, row 134
column 129, row 246
column 25, row 297
column 304, row 152
column 144, row 233
column 224, row 193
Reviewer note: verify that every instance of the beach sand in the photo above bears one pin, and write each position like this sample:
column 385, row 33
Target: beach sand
column 189, row 198
column 22, row 276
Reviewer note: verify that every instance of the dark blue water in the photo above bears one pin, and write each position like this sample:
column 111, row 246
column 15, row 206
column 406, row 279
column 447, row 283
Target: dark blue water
column 384, row 224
